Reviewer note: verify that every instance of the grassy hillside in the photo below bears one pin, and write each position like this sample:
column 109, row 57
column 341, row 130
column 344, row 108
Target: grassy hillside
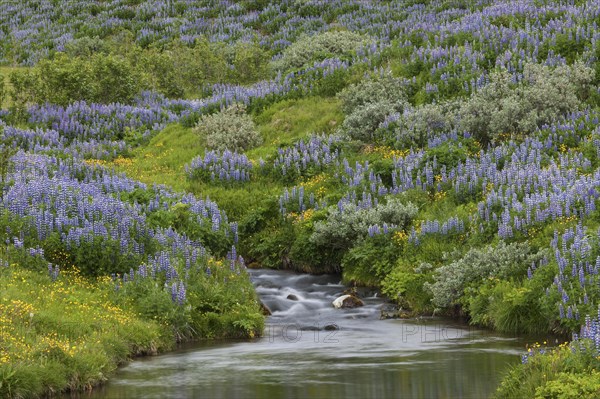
column 447, row 153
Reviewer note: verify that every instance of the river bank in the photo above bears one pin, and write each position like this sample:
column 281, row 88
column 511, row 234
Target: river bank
column 65, row 332
column 311, row 349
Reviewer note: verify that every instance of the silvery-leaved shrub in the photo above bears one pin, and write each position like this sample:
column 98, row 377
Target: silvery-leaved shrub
column 418, row 124
column 477, row 265
column 372, row 90
column 308, row 49
column 368, row 103
column 506, row 107
column 342, row 228
column 364, row 121
column 231, row 129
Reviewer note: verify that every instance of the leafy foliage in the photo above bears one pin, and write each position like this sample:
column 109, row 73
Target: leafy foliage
column 544, row 94
column 477, row 265
column 342, row 228
column 308, row 49
column 368, row 103
column 418, row 124
column 231, row 129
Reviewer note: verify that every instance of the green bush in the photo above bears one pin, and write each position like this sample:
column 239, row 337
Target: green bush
column 370, row 260
column 308, row 49
column 405, row 287
column 250, row 63
column 375, row 89
column 545, row 93
column 477, row 265
column 63, row 80
column 86, row 47
column 509, row 307
column 417, row 125
column 161, row 74
column 231, row 129
column 570, row 385
column 22, row 92
column 341, row 229
column 364, row 121
column 116, row 80
column 368, row 103
column 3, row 90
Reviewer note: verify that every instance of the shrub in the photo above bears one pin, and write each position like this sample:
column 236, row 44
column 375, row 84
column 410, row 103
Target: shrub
column 22, row 92
column 510, row 307
column 477, row 265
column 342, row 228
column 384, row 88
column 419, row 124
column 368, row 103
column 161, row 73
column 116, row 80
column 370, row 260
column 544, row 93
column 406, row 288
column 250, row 63
column 568, row 371
column 86, row 46
column 63, row 80
column 364, row 121
column 3, row 90
column 308, row 49
column 571, row 385
column 231, row 129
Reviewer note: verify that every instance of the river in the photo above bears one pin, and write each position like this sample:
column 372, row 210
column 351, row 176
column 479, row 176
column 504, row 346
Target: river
column 302, row 356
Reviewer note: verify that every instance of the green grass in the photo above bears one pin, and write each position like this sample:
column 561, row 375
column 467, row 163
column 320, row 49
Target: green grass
column 287, row 121
column 66, row 334
column 71, row 333
column 163, row 159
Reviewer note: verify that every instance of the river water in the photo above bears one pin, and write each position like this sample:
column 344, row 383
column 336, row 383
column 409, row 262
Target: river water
column 303, row 356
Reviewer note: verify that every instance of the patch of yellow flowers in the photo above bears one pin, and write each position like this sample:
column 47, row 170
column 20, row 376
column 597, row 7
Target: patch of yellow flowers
column 386, row 152
column 315, row 181
column 39, row 317
column 399, row 237
column 123, row 162
column 303, row 216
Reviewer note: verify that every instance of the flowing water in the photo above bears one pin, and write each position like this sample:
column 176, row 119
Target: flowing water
column 312, row 350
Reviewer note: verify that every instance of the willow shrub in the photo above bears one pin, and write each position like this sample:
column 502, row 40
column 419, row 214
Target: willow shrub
column 231, row 129
column 477, row 265
column 341, row 229
column 367, row 104
column 417, row 125
column 506, row 107
column 308, row 49
column 490, row 284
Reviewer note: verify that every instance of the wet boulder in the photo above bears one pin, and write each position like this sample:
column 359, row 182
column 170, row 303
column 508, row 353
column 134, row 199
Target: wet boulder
column 292, row 297
column 309, row 328
column 265, row 309
column 347, row 302
column 391, row 311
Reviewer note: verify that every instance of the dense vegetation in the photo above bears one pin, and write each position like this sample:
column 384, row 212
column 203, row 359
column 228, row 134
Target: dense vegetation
column 445, row 152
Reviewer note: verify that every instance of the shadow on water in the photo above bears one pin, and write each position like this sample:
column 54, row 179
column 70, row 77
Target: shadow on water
column 301, row 355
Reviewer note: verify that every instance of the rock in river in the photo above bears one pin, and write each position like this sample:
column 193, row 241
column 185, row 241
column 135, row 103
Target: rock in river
column 265, row 309
column 347, row 301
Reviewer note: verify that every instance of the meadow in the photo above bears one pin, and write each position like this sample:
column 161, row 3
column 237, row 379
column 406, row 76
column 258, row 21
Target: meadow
column 444, row 152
